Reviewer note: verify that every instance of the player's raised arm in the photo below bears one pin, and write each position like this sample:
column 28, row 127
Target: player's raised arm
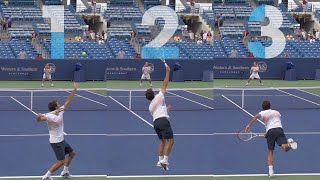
column 252, row 121
column 68, row 101
column 166, row 80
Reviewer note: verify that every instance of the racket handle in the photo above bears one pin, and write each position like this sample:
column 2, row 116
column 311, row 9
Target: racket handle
column 165, row 64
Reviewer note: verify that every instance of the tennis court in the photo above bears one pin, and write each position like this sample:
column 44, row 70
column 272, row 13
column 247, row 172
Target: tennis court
column 113, row 135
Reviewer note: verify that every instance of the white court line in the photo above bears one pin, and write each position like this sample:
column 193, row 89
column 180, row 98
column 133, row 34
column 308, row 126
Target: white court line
column 308, row 92
column 198, row 94
column 28, row 108
column 28, row 177
column 89, row 99
column 123, row 107
column 299, row 97
column 242, row 109
column 192, row 101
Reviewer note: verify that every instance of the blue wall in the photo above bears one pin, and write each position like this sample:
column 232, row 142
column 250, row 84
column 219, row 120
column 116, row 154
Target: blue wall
column 131, row 69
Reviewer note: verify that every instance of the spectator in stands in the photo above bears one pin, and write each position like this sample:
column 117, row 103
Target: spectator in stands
column 9, row 21
column 317, row 35
column 22, row 54
column 204, row 36
column 312, row 39
column 85, row 34
column 191, row 35
column 199, row 42
column 138, row 56
column 6, row 2
column 304, row 34
column 297, row 34
column 39, row 57
column 216, row 23
column 221, row 19
column 290, row 37
column 92, row 35
column 233, row 53
column 185, row 33
column 105, row 37
column 133, row 37
column 101, row 41
column 34, row 36
column 209, row 37
column 77, row 38
column 245, row 37
column 305, row 5
column 286, row 55
column 314, row 32
column 250, row 55
column 102, row 34
column 75, row 56
column 121, row 54
column 4, row 24
column 177, row 38
column 94, row 5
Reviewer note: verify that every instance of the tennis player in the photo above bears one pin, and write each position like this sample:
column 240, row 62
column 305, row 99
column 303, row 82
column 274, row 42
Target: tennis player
column 159, row 112
column 275, row 133
column 60, row 147
column 254, row 71
column 146, row 70
column 47, row 75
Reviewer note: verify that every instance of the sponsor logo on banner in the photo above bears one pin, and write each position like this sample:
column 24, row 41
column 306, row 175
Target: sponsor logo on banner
column 120, row 70
column 231, row 69
column 262, row 66
column 23, row 71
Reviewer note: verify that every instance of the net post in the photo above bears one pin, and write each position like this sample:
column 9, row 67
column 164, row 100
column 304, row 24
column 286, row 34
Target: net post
column 31, row 101
column 130, row 92
column 242, row 99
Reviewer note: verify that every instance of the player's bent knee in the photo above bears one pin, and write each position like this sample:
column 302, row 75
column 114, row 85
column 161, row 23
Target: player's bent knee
column 73, row 154
column 61, row 162
column 171, row 141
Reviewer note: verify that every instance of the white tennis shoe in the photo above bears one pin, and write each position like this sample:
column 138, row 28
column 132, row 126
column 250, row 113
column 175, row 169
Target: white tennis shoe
column 292, row 144
column 164, row 164
column 66, row 175
column 271, row 173
column 47, row 178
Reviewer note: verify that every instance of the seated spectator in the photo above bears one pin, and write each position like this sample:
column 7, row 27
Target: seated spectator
column 312, row 39
column 233, row 53
column 138, row 56
column 250, row 55
column 209, row 37
column 39, row 57
column 77, row 38
column 132, row 36
column 199, row 42
column 290, row 37
column 6, row 2
column 34, row 37
column 22, row 54
column 191, row 35
column 185, row 33
column 75, row 56
column 92, row 35
column 121, row 54
column 318, row 35
column 177, row 38
column 204, row 36
column 101, row 41
column 286, row 55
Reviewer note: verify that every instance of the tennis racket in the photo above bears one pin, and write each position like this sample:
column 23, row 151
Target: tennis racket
column 164, row 61
column 248, row 135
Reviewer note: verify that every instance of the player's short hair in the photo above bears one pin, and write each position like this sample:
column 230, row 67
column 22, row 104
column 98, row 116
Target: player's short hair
column 150, row 94
column 53, row 105
column 266, row 105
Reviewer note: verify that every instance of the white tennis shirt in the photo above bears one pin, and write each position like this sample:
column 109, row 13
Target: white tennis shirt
column 271, row 118
column 255, row 70
column 158, row 107
column 55, row 126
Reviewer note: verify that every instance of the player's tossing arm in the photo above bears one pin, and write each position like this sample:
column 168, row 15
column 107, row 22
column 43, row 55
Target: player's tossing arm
column 256, row 117
column 68, row 101
column 166, row 80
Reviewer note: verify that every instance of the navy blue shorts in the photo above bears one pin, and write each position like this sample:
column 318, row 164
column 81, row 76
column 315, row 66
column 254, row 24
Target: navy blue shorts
column 275, row 135
column 163, row 128
column 61, row 149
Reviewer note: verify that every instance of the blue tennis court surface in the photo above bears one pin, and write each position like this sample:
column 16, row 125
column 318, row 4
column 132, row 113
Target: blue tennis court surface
column 113, row 135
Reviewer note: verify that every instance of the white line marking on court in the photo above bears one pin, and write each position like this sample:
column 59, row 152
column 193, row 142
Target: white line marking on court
column 308, row 92
column 89, row 99
column 242, row 109
column 27, row 177
column 158, row 176
column 123, row 107
column 299, row 97
column 192, row 101
column 198, row 94
column 120, row 135
column 23, row 105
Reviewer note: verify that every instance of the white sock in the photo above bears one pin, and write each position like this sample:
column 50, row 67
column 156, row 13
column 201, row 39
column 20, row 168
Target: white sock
column 48, row 174
column 65, row 169
column 160, row 158
column 166, row 158
column 270, row 168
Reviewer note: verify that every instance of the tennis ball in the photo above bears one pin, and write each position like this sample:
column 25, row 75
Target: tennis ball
column 84, row 53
